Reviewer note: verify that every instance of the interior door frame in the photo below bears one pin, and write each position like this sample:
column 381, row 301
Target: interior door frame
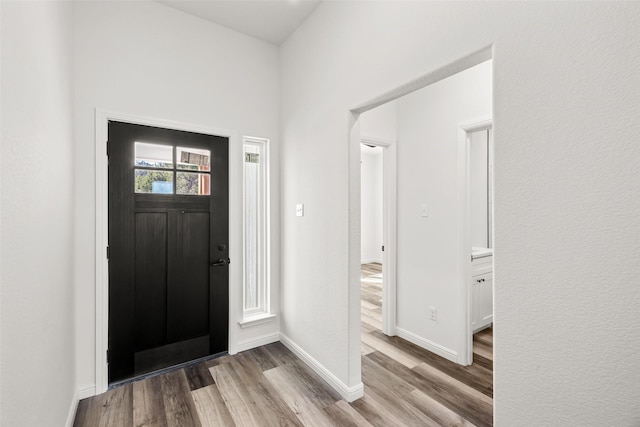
column 354, row 361
column 464, row 228
column 389, row 230
column 102, row 118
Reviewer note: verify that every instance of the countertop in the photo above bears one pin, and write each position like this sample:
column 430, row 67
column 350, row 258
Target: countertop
column 477, row 252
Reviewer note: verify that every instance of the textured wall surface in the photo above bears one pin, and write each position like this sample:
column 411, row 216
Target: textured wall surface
column 566, row 110
column 144, row 58
column 37, row 346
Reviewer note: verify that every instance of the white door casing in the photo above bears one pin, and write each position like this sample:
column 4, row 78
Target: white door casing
column 102, row 118
column 464, row 232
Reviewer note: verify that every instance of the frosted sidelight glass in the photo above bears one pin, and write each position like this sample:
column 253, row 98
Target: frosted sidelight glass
column 255, row 203
column 251, row 206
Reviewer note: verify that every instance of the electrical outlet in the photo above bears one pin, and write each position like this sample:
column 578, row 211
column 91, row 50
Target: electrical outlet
column 433, row 313
column 300, row 209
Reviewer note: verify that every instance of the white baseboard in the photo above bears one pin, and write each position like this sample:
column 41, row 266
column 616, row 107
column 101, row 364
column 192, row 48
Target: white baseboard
column 85, row 392
column 348, row 393
column 256, row 342
column 71, row 416
column 433, row 347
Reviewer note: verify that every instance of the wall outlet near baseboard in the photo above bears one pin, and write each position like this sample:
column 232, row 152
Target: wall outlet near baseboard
column 433, row 314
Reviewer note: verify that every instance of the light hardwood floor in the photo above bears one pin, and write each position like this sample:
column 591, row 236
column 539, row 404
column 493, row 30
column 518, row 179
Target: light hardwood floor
column 430, row 390
column 268, row 386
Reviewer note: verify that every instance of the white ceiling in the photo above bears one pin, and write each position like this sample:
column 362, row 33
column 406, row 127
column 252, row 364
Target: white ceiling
column 270, row 20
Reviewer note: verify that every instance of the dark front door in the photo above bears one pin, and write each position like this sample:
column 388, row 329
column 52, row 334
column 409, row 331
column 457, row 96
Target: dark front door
column 168, row 248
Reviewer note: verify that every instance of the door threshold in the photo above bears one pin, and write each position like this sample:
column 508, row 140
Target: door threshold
column 166, row 370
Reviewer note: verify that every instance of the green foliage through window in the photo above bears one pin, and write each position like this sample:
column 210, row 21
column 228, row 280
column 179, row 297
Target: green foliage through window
column 144, row 181
column 187, row 183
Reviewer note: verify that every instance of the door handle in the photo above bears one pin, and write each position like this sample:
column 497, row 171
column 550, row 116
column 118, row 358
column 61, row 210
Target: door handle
column 220, row 262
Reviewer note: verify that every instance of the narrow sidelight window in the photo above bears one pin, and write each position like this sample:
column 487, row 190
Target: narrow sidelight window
column 256, row 233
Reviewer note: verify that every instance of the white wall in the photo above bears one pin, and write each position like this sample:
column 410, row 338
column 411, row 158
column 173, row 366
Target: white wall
column 427, row 266
column 478, row 190
column 371, row 205
column 144, row 58
column 1, row 149
column 37, row 344
column 566, row 110
column 381, row 122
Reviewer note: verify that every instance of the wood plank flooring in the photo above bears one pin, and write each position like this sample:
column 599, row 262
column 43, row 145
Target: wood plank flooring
column 443, row 392
column 268, row 386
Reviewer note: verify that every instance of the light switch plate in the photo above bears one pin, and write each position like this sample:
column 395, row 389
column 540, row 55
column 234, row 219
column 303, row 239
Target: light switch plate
column 300, row 209
column 424, row 212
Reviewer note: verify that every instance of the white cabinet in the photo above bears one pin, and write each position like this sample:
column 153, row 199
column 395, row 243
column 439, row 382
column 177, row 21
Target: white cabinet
column 481, row 293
